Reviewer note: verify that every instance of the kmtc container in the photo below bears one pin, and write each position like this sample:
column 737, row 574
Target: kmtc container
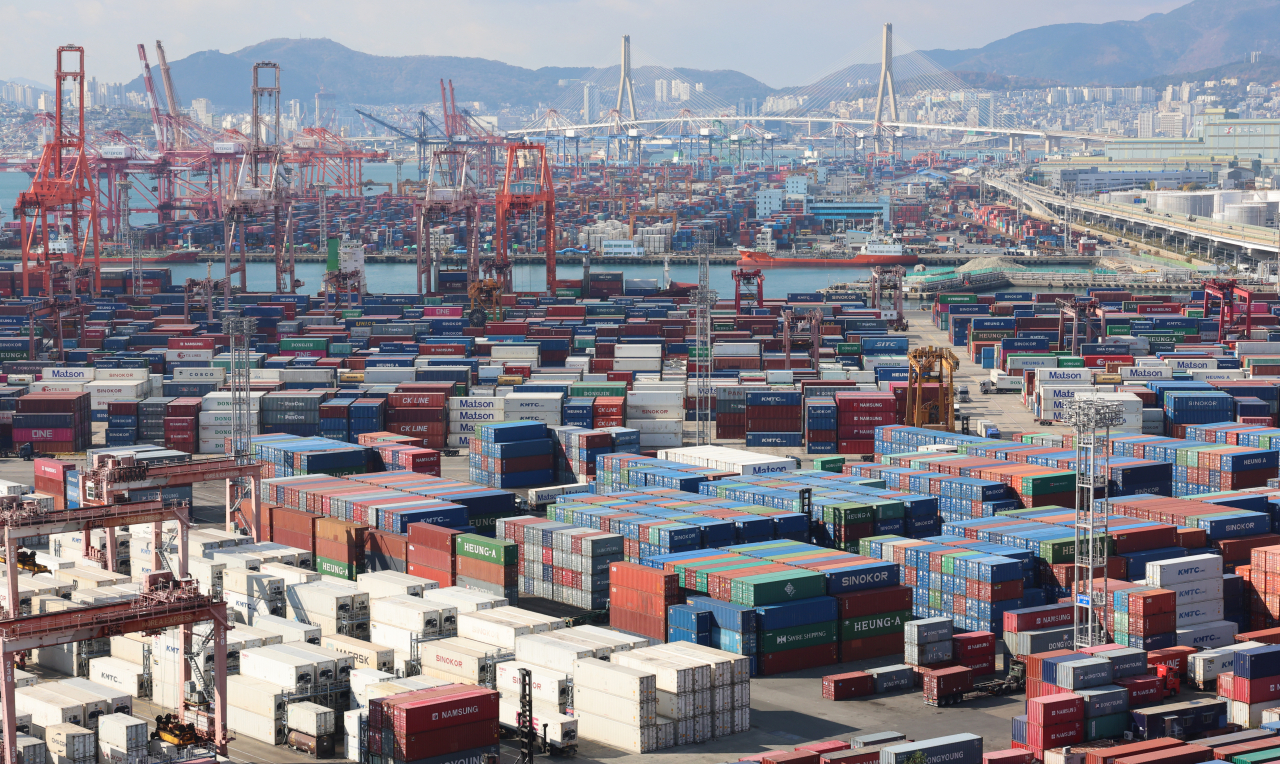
column 1170, row 573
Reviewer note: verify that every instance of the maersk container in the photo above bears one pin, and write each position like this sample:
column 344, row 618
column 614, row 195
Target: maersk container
column 363, row 654
column 560, row 730
column 965, row 748
column 310, row 718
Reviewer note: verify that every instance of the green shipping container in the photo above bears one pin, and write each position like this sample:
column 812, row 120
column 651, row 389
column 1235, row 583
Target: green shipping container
column 487, row 549
column 793, row 638
column 1257, row 757
column 1104, row 727
column 1054, row 482
column 352, row 313
column 343, row 570
column 750, row 562
column 829, row 464
column 887, row 509
column 304, row 343
column 849, row 348
column 784, row 586
column 864, row 545
column 1070, row 362
column 957, row 299
column 847, row 514
column 873, row 625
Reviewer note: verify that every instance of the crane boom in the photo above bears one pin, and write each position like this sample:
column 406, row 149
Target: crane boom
column 151, row 96
column 170, row 95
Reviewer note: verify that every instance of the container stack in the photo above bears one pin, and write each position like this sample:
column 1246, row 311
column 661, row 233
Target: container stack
column 53, row 422
column 562, row 562
column 731, row 412
column 311, row 728
column 465, row 414
column 68, row 743
column 858, row 415
column 873, row 616
column 927, row 642
column 454, row 719
column 511, row 455
column 432, row 553
column 122, row 423
column 122, row 739
column 340, row 546
column 821, row 425
column 639, row 597
column 296, row 412
column 774, row 419
column 420, row 415
column 335, row 421
column 618, row 705
column 1252, row 686
column 658, row 415
column 1040, row 629
column 151, row 414
column 368, row 415
column 1197, row 586
column 487, row 564
column 1144, row 617
column 975, row 650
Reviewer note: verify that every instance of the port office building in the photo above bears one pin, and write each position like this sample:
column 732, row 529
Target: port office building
column 1088, row 180
column 1224, row 139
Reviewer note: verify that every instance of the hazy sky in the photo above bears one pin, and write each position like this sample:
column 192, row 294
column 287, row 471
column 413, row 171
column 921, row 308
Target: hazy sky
column 781, row 42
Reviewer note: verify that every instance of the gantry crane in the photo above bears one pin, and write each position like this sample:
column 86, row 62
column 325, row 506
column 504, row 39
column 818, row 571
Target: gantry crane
column 748, row 290
column 51, row 315
column 886, row 293
column 1077, row 310
column 448, row 192
column 1226, row 292
column 169, row 598
column 58, row 215
column 527, row 185
column 926, row 366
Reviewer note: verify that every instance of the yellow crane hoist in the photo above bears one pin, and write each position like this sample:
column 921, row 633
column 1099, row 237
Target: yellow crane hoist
column 928, row 366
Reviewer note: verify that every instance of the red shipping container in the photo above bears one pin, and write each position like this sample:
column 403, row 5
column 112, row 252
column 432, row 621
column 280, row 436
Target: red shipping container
column 1152, row 602
column 1109, row 755
column 1229, row 752
column 644, row 579
column 463, row 737
column 1153, row 624
column 442, row 577
column 1187, row 754
column 973, row 644
column 1060, row 708
column 1056, row 736
column 947, row 681
column 644, row 624
column 827, row 746
column 446, row 708
column 794, row 660
column 1047, row 618
column 844, row 686
column 469, row 567
column 791, row 757
column 1175, row 657
column 871, row 647
column 1143, row 690
column 872, row 601
column 432, row 536
column 981, row 666
column 1010, row 756
column 386, row 543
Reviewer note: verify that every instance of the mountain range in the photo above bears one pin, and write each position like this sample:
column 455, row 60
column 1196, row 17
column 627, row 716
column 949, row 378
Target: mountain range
column 1203, row 35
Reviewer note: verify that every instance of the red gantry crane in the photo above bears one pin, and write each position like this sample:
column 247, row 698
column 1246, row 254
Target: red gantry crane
column 526, row 186
column 58, row 215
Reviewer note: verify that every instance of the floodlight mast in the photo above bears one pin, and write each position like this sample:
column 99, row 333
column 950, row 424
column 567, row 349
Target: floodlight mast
column 1092, row 420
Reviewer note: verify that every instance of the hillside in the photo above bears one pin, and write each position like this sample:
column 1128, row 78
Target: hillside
column 1200, row 35
column 308, row 65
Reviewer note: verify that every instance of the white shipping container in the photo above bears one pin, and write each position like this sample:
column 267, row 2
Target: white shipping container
column 48, row 708
column 31, row 750
column 616, row 734
column 456, row 658
column 288, row 629
column 735, row 349
column 310, row 718
column 419, row 615
column 69, row 740
column 123, row 732
column 548, row 686
column 215, row 374
column 624, row 681
column 264, row 729
column 257, row 695
column 729, row 460
column 79, row 374
column 467, row 600
column 477, row 403
column 561, row 730
column 117, row 673
column 1246, row 715
column 655, row 440
column 552, row 652
column 668, row 675
column 509, row 351
column 1203, row 636
column 491, row 629
column 637, row 364
column 1192, row 613
column 270, row 665
column 188, row 355
column 363, row 654
column 1164, row 573
column 638, row 713
column 517, row 403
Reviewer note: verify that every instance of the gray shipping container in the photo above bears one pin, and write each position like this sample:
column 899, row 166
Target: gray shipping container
column 1087, row 672
column 1103, row 700
column 964, row 748
column 1126, row 661
column 927, row 654
column 927, row 630
column 877, row 738
column 888, row 678
column 1042, row 641
column 1207, row 636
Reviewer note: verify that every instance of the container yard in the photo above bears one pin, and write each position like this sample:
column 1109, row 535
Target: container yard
column 919, row 518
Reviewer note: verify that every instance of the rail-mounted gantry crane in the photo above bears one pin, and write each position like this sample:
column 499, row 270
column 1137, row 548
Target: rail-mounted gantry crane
column 931, row 366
